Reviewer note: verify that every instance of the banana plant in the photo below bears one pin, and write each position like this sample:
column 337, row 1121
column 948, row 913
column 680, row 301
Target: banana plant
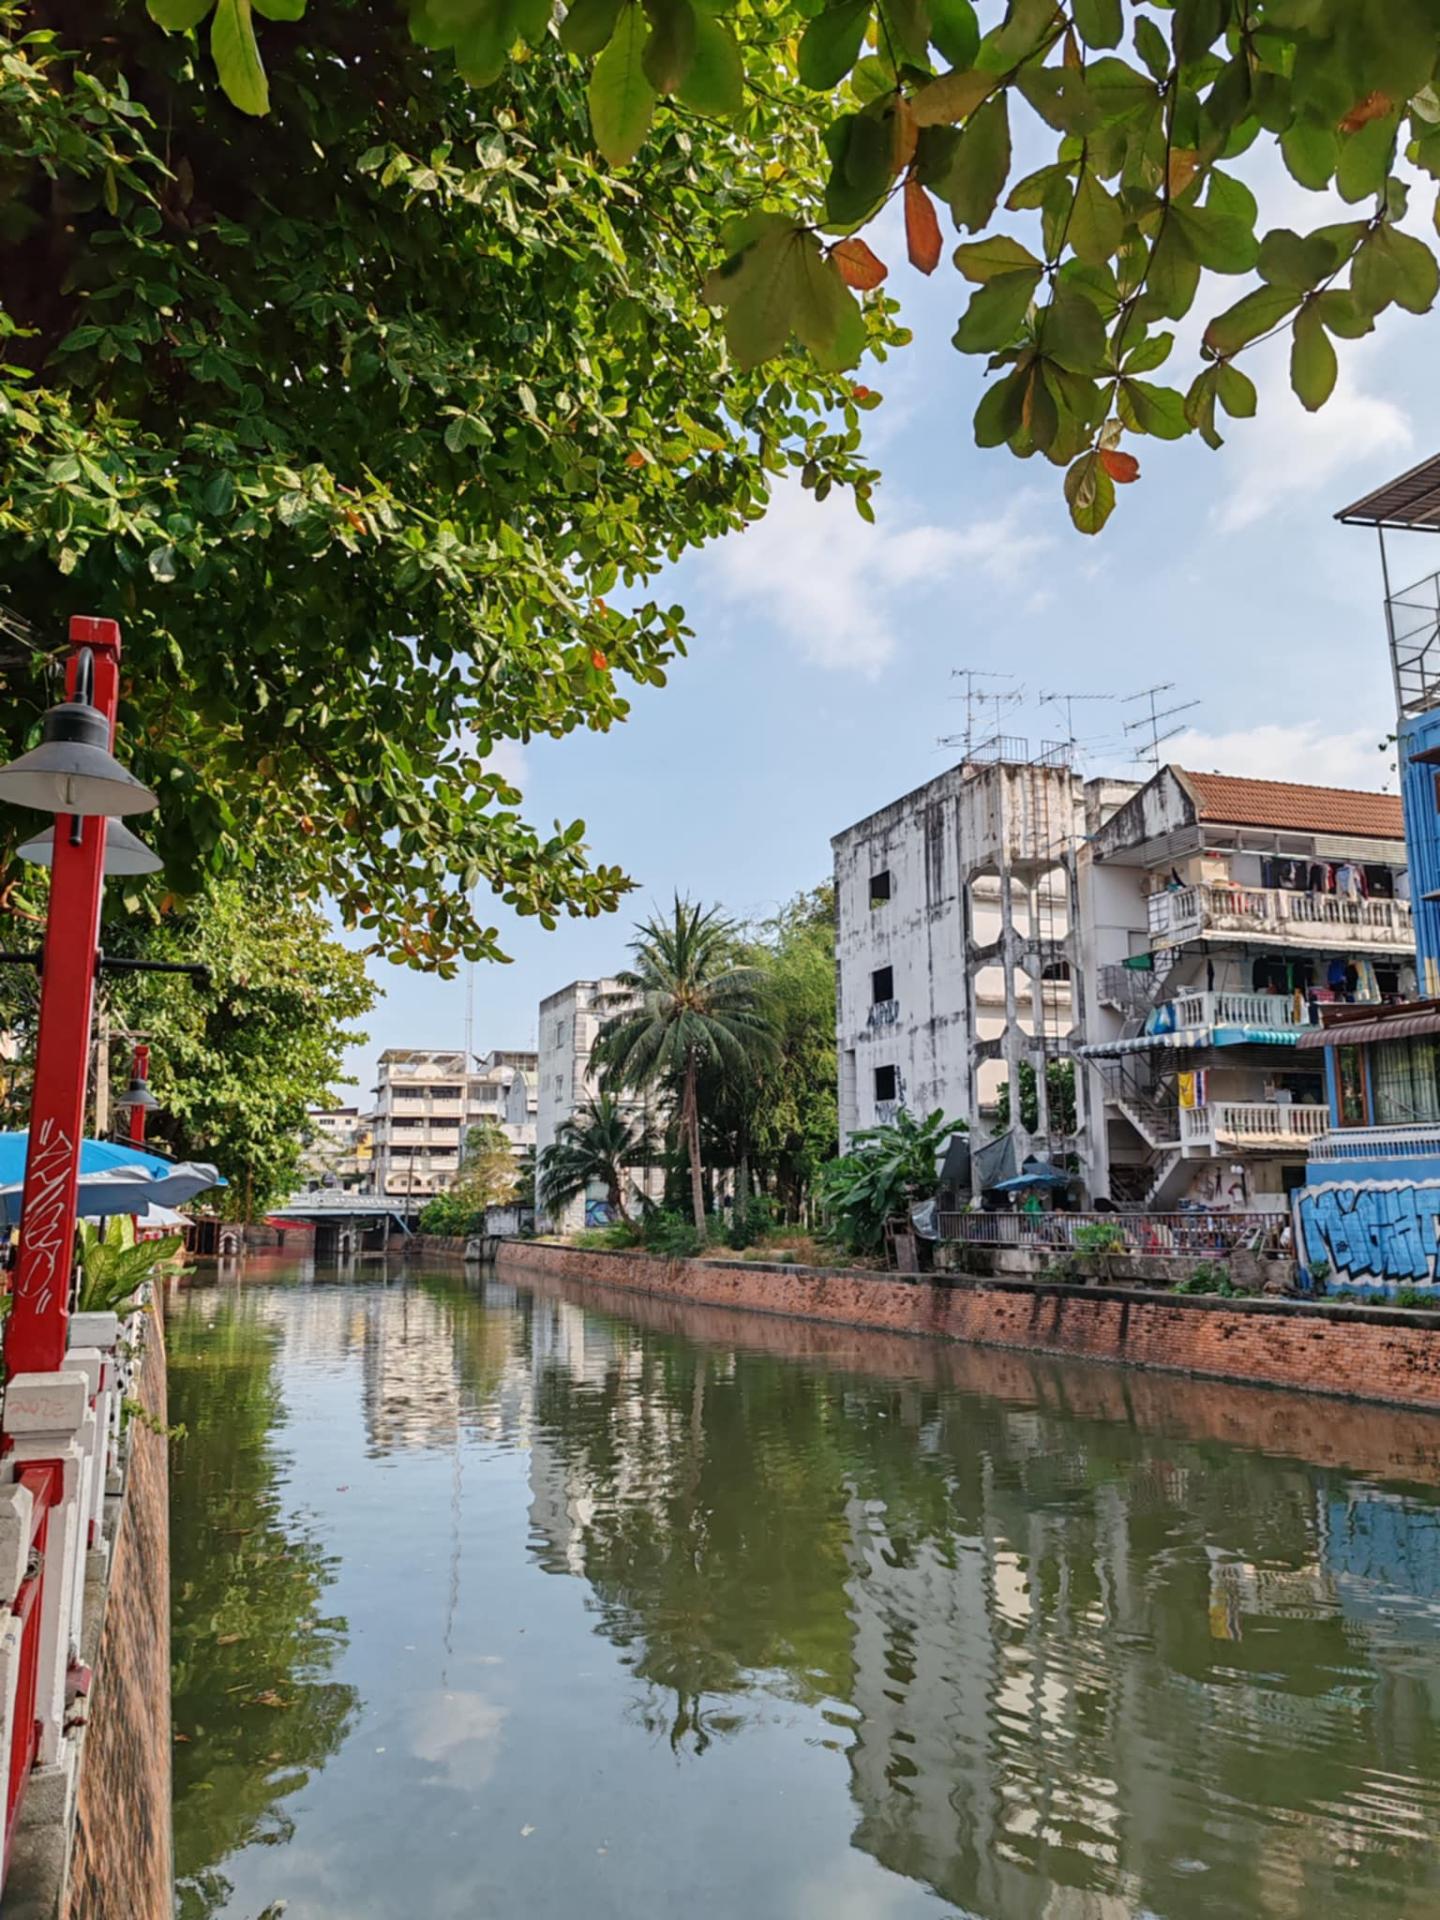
column 114, row 1267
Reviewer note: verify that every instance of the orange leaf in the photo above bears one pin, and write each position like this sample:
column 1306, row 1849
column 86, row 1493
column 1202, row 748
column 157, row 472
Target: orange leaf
column 1374, row 106
column 1184, row 163
column 1121, row 467
column 922, row 227
column 634, row 458
column 859, row 267
column 907, row 133
column 598, row 660
column 859, row 393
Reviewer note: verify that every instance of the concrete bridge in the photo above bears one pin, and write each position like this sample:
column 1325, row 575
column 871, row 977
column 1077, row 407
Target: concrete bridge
column 351, row 1223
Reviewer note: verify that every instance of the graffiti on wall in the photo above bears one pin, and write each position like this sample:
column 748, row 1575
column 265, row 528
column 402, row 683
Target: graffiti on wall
column 1371, row 1229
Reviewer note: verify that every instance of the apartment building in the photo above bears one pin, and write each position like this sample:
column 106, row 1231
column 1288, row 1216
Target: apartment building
column 956, row 942
column 1220, row 917
column 502, row 1089
column 340, row 1148
column 420, row 1111
column 570, row 1023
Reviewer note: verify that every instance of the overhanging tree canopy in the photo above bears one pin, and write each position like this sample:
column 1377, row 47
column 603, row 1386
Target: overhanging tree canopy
column 354, row 416
column 1145, row 109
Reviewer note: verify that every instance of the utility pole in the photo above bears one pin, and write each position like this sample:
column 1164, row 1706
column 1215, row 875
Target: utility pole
column 1150, row 723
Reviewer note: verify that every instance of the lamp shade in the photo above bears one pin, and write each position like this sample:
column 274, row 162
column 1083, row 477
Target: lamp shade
column 138, row 1095
column 73, row 769
column 124, row 854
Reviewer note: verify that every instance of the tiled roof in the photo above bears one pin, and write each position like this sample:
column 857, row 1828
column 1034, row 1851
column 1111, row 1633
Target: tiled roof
column 1226, row 800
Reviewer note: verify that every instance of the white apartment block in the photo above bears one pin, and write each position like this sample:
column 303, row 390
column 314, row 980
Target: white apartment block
column 570, row 1023
column 956, row 941
column 340, row 1148
column 427, row 1099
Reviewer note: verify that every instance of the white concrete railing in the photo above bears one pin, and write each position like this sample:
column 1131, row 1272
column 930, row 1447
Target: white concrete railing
column 1237, row 1010
column 70, row 1420
column 1315, row 919
column 1252, row 1123
column 1378, row 1143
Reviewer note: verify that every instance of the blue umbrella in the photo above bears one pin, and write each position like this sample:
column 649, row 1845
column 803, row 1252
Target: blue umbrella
column 96, row 1156
column 1037, row 1176
column 115, row 1177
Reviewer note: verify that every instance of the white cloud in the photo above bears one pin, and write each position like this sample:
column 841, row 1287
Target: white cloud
column 458, row 1733
column 1289, row 454
column 1304, row 752
column 835, row 586
column 508, row 758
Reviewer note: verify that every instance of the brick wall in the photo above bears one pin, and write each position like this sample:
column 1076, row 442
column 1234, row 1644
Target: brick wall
column 122, row 1861
column 1367, row 1353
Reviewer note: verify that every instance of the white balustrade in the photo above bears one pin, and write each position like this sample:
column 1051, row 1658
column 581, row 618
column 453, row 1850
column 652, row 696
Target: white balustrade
column 1237, row 1010
column 1252, row 1123
column 1317, row 919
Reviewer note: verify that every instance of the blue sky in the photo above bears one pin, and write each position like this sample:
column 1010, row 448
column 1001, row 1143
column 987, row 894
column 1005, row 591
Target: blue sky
column 820, row 676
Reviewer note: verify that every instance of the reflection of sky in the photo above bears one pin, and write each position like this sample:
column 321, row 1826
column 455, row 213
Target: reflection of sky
column 1080, row 1662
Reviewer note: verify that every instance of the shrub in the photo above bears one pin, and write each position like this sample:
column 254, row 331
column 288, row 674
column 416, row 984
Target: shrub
column 608, row 1239
column 1208, row 1278
column 670, row 1233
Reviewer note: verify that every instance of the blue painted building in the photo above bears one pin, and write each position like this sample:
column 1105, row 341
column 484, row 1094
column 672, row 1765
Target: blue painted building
column 1369, row 1212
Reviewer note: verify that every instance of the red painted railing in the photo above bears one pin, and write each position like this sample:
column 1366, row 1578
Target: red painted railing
column 45, row 1479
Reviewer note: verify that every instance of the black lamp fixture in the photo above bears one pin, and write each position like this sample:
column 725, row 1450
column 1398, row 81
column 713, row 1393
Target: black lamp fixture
column 138, row 1095
column 124, row 853
column 73, row 770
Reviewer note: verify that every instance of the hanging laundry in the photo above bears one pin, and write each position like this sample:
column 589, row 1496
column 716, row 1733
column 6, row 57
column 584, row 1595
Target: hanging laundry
column 1350, row 882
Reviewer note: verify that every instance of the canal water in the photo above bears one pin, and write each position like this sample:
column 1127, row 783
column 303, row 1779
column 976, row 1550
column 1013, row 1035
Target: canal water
column 492, row 1601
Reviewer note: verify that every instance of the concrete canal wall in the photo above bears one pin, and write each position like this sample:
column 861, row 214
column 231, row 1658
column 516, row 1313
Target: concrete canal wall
column 1387, row 1354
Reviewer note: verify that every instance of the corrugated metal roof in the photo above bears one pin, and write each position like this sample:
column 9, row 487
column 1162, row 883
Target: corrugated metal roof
column 1182, row 1037
column 1227, row 800
column 1349, row 1033
column 1411, row 500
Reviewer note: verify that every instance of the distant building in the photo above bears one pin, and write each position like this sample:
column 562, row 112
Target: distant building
column 340, row 1150
column 426, row 1101
column 1219, row 918
column 502, row 1089
column 570, row 1022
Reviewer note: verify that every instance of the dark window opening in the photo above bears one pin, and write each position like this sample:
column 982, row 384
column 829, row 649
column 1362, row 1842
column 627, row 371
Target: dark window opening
column 879, row 887
column 886, row 1087
column 1055, row 970
column 882, row 985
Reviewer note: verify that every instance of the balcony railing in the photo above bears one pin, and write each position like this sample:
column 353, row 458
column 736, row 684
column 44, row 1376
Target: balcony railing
column 1144, row 1233
column 1378, row 1143
column 1237, row 1010
column 1306, row 919
column 1252, row 1123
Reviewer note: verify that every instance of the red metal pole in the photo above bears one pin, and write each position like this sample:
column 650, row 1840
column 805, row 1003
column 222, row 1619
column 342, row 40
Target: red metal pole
column 36, row 1331
column 139, row 1070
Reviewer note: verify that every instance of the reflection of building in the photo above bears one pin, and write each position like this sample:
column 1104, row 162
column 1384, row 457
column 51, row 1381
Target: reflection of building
column 570, row 1022
column 411, row 1389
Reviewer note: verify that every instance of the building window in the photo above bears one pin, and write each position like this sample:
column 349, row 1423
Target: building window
column 882, row 985
column 1404, row 1082
column 880, row 887
column 886, row 1084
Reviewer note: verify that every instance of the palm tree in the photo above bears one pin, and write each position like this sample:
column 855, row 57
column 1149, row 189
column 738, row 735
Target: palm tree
column 598, row 1142
column 696, row 1007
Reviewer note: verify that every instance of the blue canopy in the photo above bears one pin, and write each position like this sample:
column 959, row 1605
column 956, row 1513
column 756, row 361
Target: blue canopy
column 96, row 1156
column 115, row 1177
column 1037, row 1176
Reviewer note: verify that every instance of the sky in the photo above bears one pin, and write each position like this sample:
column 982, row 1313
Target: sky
column 822, row 676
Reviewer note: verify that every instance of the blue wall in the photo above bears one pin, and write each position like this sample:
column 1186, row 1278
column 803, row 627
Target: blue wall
column 1375, row 1226
column 1422, row 836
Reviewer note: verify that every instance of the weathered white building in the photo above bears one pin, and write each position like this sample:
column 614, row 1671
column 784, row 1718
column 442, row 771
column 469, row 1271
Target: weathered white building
column 956, row 941
column 339, row 1150
column 502, row 1089
column 1215, row 915
column 427, row 1099
column 570, row 1023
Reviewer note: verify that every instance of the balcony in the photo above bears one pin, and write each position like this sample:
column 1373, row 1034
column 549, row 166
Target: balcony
column 1292, row 919
column 1252, row 1125
column 1252, row 1010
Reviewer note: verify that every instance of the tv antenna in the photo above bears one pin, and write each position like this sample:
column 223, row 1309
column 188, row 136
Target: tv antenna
column 1068, row 701
column 1150, row 723
column 975, row 704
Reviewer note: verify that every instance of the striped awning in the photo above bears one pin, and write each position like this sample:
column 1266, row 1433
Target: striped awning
column 1181, row 1037
column 1349, row 1033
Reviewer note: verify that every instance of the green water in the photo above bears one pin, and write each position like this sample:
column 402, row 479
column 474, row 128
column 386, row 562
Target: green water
column 492, row 1602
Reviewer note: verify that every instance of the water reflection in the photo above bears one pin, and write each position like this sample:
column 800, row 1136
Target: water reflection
column 1067, row 1651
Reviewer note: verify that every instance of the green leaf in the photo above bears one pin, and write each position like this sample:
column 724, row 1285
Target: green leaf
column 996, row 313
column 1149, row 354
column 825, row 314
column 1155, row 410
column 177, row 16
column 1200, row 407
column 1257, row 313
column 955, row 31
column 1000, row 414
column 830, row 44
column 280, row 9
column 1198, row 25
column 715, row 83
column 954, row 96
column 981, row 165
column 1364, row 160
column 757, row 286
column 1286, row 260
column 1312, row 359
column 1218, row 241
column 1100, row 22
column 1343, row 314
column 588, row 26
column 861, row 147
column 1415, row 269
column 905, row 30
column 1090, row 492
column 671, row 47
column 1236, row 391
column 1026, row 25
column 1071, row 331
column 935, row 149
column 622, row 100
column 1097, row 226
column 1310, row 150
column 982, row 260
column 237, row 57
column 1174, row 272
column 1119, row 90
column 1152, row 46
